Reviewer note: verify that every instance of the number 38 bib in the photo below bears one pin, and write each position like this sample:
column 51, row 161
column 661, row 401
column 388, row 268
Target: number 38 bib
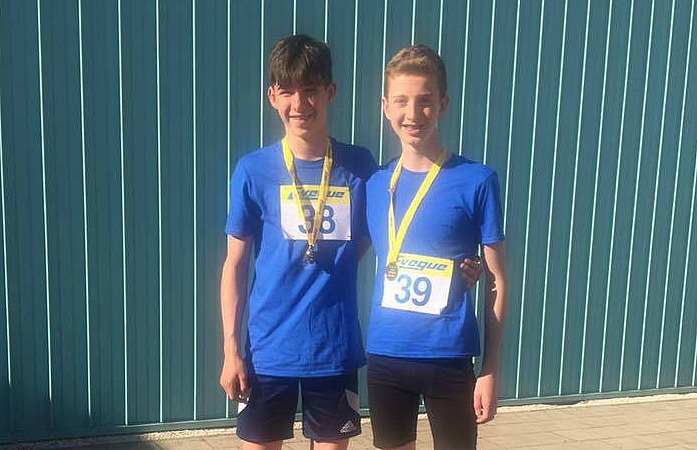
column 422, row 284
column 336, row 216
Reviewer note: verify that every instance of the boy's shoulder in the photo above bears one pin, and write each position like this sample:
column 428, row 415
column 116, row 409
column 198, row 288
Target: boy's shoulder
column 355, row 158
column 464, row 166
column 261, row 157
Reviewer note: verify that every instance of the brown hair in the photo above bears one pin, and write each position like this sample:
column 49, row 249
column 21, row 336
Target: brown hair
column 300, row 60
column 418, row 60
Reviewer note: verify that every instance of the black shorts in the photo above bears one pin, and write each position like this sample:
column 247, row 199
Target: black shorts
column 395, row 386
column 329, row 407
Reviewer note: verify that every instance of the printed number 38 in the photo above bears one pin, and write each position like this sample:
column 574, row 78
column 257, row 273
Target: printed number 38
column 418, row 290
column 328, row 224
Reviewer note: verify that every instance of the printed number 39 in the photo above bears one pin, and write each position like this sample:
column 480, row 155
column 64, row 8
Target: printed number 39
column 328, row 224
column 420, row 287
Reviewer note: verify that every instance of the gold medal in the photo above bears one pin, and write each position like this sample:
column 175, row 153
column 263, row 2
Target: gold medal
column 391, row 271
column 310, row 254
column 396, row 236
column 314, row 223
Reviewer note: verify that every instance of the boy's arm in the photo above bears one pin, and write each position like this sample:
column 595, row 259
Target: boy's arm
column 485, row 392
column 233, row 298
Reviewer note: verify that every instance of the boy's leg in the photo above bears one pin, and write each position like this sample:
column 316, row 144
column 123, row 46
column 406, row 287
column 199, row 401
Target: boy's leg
column 450, row 405
column 394, row 403
column 267, row 419
column 330, row 410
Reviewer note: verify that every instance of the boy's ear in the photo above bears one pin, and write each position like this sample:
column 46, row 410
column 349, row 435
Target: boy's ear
column 271, row 94
column 331, row 89
column 444, row 102
column 384, row 107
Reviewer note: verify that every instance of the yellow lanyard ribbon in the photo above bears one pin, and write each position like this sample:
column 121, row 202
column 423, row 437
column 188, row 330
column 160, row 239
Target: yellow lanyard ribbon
column 312, row 229
column 396, row 237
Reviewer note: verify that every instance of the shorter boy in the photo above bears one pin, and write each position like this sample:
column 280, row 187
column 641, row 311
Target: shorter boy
column 427, row 211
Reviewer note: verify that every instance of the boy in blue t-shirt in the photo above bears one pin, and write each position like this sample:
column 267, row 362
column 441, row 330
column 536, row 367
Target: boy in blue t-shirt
column 428, row 210
column 300, row 204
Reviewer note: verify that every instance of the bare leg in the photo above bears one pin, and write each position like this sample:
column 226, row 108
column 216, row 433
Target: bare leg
column 330, row 445
column 276, row 445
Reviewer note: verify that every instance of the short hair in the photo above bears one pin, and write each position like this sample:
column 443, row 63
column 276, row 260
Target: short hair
column 300, row 60
column 418, row 60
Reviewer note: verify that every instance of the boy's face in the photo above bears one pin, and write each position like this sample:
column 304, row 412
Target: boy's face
column 413, row 106
column 302, row 109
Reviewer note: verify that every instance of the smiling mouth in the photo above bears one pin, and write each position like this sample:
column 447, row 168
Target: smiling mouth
column 300, row 116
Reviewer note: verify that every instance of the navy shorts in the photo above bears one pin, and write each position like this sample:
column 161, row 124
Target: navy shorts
column 329, row 407
column 395, row 387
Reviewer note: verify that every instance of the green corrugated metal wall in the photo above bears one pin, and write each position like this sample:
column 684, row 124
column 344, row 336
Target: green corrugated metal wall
column 115, row 122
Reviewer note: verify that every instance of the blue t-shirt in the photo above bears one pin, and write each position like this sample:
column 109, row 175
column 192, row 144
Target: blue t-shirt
column 461, row 210
column 303, row 318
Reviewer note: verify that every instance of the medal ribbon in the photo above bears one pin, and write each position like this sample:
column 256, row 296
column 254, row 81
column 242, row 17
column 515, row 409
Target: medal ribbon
column 396, row 237
column 323, row 191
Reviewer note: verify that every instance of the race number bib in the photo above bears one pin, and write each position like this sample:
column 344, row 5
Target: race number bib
column 422, row 284
column 336, row 216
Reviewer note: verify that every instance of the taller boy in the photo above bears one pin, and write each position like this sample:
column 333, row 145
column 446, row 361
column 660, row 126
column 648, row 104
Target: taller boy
column 300, row 203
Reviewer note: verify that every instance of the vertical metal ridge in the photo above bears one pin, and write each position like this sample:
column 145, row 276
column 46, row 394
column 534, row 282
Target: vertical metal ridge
column 575, row 182
column 194, row 219
column 123, row 224
column 464, row 78
column 636, row 187
column 295, row 19
column 510, row 117
column 84, row 219
column 692, row 210
column 159, row 212
column 595, row 202
column 595, row 186
column 355, row 57
column 261, row 73
column 440, row 28
column 4, row 247
column 413, row 21
column 545, row 287
column 488, row 82
column 527, row 219
column 382, row 84
column 655, row 198
column 326, row 19
column 45, row 208
column 617, row 186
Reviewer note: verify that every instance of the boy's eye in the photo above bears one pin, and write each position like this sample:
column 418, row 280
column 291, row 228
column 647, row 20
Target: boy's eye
column 426, row 101
column 399, row 101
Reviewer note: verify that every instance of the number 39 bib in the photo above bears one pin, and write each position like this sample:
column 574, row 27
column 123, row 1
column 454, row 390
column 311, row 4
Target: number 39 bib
column 336, row 216
column 422, row 284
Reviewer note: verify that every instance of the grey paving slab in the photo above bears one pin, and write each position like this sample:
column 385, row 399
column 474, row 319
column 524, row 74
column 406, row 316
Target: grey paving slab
column 662, row 422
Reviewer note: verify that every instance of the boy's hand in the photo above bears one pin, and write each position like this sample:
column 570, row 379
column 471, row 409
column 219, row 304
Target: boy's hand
column 233, row 379
column 485, row 398
column 471, row 270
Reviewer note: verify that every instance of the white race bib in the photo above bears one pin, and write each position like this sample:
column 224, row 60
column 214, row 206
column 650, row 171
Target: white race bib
column 336, row 217
column 422, row 284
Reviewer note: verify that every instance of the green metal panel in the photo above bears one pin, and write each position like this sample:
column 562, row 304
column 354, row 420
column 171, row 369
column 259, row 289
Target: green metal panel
column 121, row 121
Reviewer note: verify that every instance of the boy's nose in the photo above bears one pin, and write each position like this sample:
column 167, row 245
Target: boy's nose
column 412, row 111
column 299, row 100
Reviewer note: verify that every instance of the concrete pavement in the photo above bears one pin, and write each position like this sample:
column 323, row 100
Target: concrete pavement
column 660, row 422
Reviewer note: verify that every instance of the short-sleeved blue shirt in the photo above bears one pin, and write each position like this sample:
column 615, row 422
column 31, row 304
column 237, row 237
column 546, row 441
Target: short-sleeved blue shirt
column 303, row 318
column 460, row 211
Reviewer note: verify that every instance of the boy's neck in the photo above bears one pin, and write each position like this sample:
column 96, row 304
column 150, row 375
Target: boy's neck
column 308, row 148
column 420, row 159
